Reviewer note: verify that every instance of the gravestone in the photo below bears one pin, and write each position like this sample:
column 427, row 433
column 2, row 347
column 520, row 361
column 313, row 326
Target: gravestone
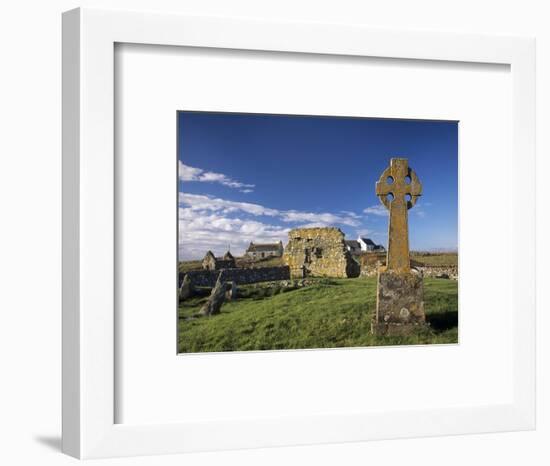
column 230, row 291
column 186, row 289
column 400, row 291
column 217, row 297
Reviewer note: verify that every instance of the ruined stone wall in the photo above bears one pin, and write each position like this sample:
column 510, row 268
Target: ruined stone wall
column 209, row 261
column 438, row 271
column 239, row 276
column 319, row 252
column 451, row 271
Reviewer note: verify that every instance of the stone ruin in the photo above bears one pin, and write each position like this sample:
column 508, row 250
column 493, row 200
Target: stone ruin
column 211, row 262
column 319, row 252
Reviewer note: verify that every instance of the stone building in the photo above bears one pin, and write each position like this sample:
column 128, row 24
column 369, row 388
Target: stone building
column 229, row 257
column 211, row 262
column 263, row 250
column 319, row 252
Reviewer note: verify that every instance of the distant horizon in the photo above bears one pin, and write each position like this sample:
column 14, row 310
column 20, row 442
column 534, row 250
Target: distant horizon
column 253, row 177
column 413, row 251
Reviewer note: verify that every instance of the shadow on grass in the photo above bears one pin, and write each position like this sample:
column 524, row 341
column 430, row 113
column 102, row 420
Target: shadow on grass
column 442, row 321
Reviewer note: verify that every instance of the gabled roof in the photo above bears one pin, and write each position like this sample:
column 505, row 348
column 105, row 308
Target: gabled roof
column 209, row 254
column 353, row 243
column 368, row 241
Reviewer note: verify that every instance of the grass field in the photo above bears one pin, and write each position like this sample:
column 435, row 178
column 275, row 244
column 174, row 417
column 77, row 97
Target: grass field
column 330, row 313
column 436, row 259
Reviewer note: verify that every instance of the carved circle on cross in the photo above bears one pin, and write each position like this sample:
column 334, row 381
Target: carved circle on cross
column 398, row 183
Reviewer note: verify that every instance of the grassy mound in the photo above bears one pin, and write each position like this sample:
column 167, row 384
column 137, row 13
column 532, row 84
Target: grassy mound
column 330, row 313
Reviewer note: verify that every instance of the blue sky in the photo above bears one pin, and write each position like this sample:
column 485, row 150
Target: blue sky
column 252, row 177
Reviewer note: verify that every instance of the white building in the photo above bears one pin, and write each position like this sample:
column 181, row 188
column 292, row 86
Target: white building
column 368, row 245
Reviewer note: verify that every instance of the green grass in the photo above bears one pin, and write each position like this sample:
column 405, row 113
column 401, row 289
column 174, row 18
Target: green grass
column 331, row 313
column 267, row 262
column 443, row 259
column 186, row 266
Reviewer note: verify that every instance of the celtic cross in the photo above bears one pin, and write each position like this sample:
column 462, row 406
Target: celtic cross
column 398, row 189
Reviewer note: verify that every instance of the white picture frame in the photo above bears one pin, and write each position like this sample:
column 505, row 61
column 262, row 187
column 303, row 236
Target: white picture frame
column 89, row 38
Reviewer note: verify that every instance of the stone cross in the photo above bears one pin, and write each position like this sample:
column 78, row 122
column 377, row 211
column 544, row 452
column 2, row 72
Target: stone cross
column 398, row 189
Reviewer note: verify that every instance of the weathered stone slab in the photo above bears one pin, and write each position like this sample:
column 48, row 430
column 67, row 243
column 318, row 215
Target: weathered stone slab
column 399, row 303
column 217, row 297
column 398, row 330
column 230, row 291
column 186, row 289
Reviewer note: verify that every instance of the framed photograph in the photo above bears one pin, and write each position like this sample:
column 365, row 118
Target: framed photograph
column 293, row 233
column 265, row 210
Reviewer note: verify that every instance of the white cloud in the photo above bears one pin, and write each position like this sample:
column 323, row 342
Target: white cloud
column 201, row 202
column 188, row 173
column 200, row 231
column 351, row 214
column 212, row 223
column 314, row 225
column 377, row 209
column 364, row 232
column 324, row 218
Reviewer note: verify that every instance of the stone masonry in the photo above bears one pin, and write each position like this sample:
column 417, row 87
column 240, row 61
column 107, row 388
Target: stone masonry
column 208, row 278
column 211, row 262
column 319, row 252
column 400, row 288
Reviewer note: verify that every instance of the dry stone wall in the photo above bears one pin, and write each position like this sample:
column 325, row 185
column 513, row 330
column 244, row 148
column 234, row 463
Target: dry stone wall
column 450, row 271
column 319, row 252
column 239, row 276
